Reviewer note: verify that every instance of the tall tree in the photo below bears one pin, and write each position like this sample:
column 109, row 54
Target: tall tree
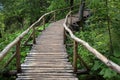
column 71, row 3
column 81, row 10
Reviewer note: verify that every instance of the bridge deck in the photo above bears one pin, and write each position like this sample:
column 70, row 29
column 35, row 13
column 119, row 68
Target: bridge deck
column 47, row 59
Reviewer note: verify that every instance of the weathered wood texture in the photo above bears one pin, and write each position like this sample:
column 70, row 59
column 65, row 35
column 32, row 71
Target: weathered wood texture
column 47, row 59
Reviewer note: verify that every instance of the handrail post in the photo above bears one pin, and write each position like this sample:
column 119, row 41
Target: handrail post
column 54, row 16
column 75, row 56
column 18, row 64
column 70, row 18
column 43, row 23
column 34, row 41
column 67, row 22
column 64, row 36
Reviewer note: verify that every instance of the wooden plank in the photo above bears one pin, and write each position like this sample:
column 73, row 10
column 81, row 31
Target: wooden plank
column 24, row 78
column 47, row 68
column 45, row 65
column 46, row 74
column 49, row 46
column 47, row 51
column 47, row 57
column 48, row 62
column 50, row 53
column 47, row 71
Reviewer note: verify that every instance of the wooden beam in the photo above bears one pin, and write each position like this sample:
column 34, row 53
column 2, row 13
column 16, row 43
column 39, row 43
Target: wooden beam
column 83, row 62
column 75, row 50
column 43, row 23
column 18, row 64
column 54, row 16
column 34, row 41
column 25, row 43
column 8, row 62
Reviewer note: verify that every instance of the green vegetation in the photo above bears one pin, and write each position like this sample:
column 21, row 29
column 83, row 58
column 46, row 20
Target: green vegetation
column 103, row 24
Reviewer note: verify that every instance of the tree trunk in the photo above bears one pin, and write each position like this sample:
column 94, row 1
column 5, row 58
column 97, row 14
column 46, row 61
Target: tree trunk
column 81, row 13
column 109, row 29
column 0, row 35
column 71, row 3
column 81, row 10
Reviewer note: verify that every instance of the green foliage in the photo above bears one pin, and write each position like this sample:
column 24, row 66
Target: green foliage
column 57, row 4
column 5, row 40
column 19, row 14
column 108, row 73
column 97, row 35
column 2, row 26
column 22, row 13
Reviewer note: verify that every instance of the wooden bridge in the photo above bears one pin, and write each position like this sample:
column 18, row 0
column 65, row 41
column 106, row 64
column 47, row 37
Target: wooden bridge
column 48, row 59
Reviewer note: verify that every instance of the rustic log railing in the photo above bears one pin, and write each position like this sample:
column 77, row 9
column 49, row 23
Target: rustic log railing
column 17, row 42
column 77, row 40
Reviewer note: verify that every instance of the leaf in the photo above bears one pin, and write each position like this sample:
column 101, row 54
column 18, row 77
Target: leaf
column 109, row 73
column 117, row 54
column 97, row 65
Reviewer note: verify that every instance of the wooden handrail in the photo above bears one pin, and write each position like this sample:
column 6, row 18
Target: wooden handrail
column 101, row 57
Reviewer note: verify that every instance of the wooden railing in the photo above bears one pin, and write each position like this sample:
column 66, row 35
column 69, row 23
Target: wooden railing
column 17, row 42
column 77, row 40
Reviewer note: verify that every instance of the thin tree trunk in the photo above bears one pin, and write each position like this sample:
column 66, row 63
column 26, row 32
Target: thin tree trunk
column 71, row 3
column 0, row 35
column 81, row 10
column 81, row 13
column 109, row 29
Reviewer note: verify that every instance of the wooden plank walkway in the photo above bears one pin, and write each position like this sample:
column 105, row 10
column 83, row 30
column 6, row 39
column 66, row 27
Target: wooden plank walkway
column 48, row 59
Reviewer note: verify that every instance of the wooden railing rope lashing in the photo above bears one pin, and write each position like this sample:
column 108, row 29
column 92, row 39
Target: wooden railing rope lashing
column 101, row 57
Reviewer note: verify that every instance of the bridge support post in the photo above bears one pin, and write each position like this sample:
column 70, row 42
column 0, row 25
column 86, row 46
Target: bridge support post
column 34, row 41
column 75, row 51
column 54, row 16
column 18, row 57
column 70, row 18
column 43, row 23
column 64, row 35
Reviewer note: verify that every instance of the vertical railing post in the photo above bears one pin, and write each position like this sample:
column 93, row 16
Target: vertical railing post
column 34, row 41
column 18, row 64
column 71, row 18
column 75, row 56
column 67, row 23
column 43, row 23
column 64, row 36
column 65, row 31
column 54, row 16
